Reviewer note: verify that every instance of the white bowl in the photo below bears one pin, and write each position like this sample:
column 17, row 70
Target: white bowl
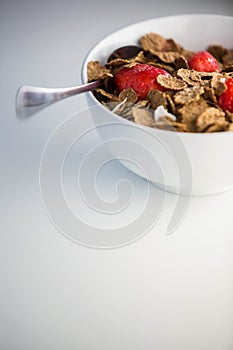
column 185, row 163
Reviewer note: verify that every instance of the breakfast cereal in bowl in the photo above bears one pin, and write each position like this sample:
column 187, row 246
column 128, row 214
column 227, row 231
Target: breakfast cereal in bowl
column 173, row 96
column 168, row 87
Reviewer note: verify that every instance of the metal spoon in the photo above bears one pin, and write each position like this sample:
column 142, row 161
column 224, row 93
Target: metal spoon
column 31, row 99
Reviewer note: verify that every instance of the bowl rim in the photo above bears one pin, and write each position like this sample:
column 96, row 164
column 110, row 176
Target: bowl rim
column 131, row 25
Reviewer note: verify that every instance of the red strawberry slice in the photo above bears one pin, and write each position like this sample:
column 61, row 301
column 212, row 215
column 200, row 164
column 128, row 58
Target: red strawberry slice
column 225, row 100
column 203, row 61
column 141, row 77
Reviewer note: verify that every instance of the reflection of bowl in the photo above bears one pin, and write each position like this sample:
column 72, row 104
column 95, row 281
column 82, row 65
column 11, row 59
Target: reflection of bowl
column 201, row 161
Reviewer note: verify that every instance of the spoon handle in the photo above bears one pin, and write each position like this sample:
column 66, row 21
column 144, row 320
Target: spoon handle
column 31, row 99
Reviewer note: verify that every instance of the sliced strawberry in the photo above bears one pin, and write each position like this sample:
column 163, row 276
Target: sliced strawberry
column 203, row 61
column 225, row 100
column 141, row 77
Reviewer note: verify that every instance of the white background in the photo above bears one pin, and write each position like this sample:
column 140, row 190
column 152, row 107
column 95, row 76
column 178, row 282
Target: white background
column 161, row 292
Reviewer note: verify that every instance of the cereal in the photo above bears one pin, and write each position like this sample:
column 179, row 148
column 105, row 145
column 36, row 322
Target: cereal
column 96, row 71
column 157, row 98
column 128, row 94
column 228, row 58
column 171, row 83
column 153, row 42
column 143, row 116
column 219, row 125
column 104, row 95
column 189, row 113
column 209, row 117
column 181, row 62
column 229, row 117
column 117, row 62
column 167, row 57
column 189, row 76
column 189, row 96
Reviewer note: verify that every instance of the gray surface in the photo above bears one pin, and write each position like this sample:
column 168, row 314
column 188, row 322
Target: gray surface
column 162, row 292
